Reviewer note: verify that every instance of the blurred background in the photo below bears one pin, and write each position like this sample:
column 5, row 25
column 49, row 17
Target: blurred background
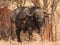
column 52, row 27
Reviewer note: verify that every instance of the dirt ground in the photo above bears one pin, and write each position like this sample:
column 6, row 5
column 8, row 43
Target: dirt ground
column 25, row 41
column 2, row 42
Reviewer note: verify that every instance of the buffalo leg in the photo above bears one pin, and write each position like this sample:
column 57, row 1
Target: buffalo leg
column 42, row 32
column 38, row 28
column 30, row 33
column 18, row 35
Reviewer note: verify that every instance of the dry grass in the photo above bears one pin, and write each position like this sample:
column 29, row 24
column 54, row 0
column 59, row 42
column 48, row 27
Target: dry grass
column 29, row 43
column 24, row 37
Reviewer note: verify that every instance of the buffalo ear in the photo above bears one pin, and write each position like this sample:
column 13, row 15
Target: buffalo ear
column 46, row 13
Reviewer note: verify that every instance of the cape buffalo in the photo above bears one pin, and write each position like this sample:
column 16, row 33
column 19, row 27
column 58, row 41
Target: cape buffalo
column 27, row 19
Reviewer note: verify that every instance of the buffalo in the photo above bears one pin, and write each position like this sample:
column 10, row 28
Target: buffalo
column 29, row 19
